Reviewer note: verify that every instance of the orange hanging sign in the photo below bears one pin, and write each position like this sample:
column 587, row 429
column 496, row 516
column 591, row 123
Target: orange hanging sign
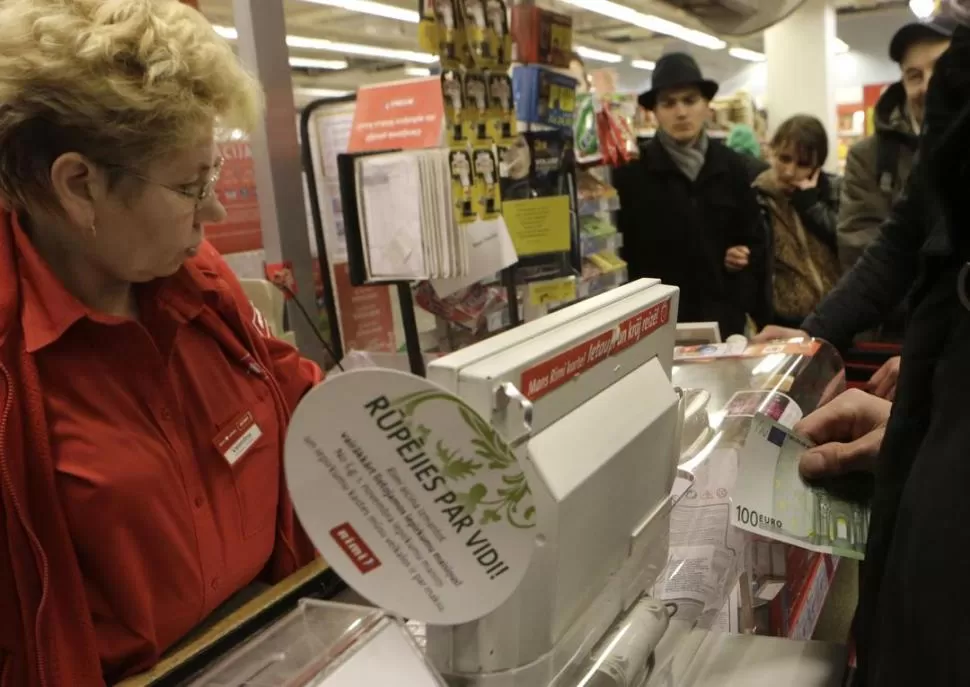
column 407, row 115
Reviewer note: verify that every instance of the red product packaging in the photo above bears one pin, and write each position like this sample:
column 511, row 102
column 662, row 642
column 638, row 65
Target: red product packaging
column 541, row 36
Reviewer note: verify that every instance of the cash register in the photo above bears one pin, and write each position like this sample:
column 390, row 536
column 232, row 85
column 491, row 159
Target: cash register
column 584, row 398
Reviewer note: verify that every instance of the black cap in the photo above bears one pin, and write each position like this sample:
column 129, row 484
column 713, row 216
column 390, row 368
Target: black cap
column 676, row 70
column 937, row 28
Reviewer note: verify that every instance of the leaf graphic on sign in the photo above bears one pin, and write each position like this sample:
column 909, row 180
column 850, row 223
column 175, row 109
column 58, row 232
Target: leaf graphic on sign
column 454, row 467
column 490, row 515
column 493, row 451
column 469, row 501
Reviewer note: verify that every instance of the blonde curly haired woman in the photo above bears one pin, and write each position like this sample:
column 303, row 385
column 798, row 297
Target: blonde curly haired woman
column 142, row 407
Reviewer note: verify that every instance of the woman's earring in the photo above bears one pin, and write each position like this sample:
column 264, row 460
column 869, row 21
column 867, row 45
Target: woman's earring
column 94, row 230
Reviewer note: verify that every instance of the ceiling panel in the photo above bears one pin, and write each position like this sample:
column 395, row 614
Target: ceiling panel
column 592, row 30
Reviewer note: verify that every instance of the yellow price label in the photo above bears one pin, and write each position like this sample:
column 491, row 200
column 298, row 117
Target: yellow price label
column 553, row 291
column 538, row 225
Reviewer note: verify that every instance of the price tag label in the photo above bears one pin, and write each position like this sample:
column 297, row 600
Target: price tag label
column 554, row 291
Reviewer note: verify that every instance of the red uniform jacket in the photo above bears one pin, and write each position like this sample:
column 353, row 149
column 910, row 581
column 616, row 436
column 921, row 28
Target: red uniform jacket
column 46, row 635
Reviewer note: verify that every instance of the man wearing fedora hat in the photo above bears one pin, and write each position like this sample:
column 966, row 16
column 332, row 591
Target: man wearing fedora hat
column 688, row 215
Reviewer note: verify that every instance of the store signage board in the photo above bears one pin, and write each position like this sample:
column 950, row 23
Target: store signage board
column 550, row 374
column 410, row 496
column 405, row 115
column 366, row 314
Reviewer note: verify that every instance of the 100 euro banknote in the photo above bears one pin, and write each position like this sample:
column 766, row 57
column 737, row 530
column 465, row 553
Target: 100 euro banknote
column 771, row 499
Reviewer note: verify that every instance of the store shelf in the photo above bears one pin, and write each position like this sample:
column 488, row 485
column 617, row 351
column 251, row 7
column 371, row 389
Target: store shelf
column 499, row 320
column 605, row 243
column 597, row 205
column 602, row 283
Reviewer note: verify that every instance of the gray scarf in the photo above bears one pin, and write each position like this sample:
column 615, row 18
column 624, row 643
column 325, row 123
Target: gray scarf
column 688, row 158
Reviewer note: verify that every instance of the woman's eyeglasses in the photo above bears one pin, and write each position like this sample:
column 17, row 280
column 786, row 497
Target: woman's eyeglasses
column 198, row 193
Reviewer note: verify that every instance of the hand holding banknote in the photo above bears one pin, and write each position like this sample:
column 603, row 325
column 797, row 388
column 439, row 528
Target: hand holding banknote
column 847, row 432
column 770, row 497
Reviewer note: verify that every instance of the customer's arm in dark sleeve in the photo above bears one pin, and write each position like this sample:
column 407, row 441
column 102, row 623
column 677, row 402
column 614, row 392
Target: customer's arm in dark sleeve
column 818, row 208
column 882, row 277
column 863, row 207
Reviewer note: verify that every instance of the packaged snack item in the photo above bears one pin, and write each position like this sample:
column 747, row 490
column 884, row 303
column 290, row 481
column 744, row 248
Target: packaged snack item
column 452, row 90
column 428, row 27
column 543, row 96
column 479, row 48
column 451, row 38
column 585, row 129
column 468, row 308
column 487, row 192
column 462, row 182
column 541, row 37
column 476, row 106
column 552, row 166
column 501, row 110
column 497, row 34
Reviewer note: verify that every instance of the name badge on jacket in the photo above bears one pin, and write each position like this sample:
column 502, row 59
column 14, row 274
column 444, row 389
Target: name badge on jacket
column 235, row 441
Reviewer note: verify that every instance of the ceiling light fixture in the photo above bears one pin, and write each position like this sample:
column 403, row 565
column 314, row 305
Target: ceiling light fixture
column 376, row 9
column 643, row 64
column 748, row 55
column 923, row 9
column 320, row 92
column 649, row 22
column 417, row 71
column 312, row 63
column 841, row 47
column 230, row 33
column 597, row 55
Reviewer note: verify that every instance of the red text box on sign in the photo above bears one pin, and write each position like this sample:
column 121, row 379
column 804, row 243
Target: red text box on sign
column 547, row 376
column 408, row 115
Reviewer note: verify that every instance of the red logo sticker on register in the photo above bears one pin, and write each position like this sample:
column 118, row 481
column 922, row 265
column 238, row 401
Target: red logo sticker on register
column 355, row 548
column 549, row 375
column 236, row 440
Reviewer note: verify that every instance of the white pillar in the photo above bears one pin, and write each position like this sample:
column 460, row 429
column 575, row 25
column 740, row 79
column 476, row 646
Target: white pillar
column 800, row 68
column 276, row 159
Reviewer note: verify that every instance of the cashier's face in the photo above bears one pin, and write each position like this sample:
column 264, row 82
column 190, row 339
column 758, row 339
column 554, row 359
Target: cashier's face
column 149, row 222
column 681, row 113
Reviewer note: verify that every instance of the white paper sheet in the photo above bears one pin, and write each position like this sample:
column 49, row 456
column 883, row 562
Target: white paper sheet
column 700, row 529
column 389, row 192
column 490, row 250
column 333, row 131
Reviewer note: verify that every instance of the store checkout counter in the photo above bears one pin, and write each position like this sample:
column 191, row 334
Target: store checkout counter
column 590, row 405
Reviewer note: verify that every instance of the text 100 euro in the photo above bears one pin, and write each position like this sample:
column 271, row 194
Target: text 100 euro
column 771, row 499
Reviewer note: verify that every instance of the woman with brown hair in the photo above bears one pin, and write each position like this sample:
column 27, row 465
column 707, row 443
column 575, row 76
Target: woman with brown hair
column 800, row 204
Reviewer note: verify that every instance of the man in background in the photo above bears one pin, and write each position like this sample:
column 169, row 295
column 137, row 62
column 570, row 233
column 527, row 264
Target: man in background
column 878, row 167
column 687, row 212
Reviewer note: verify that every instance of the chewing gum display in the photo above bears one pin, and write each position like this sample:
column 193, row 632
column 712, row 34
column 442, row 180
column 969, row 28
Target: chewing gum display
column 476, row 107
column 453, row 92
column 501, row 110
column 462, row 185
column 488, row 198
column 450, row 43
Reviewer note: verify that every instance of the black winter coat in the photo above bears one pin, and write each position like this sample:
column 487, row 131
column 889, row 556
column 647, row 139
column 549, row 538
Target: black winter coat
column 679, row 231
column 913, row 622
